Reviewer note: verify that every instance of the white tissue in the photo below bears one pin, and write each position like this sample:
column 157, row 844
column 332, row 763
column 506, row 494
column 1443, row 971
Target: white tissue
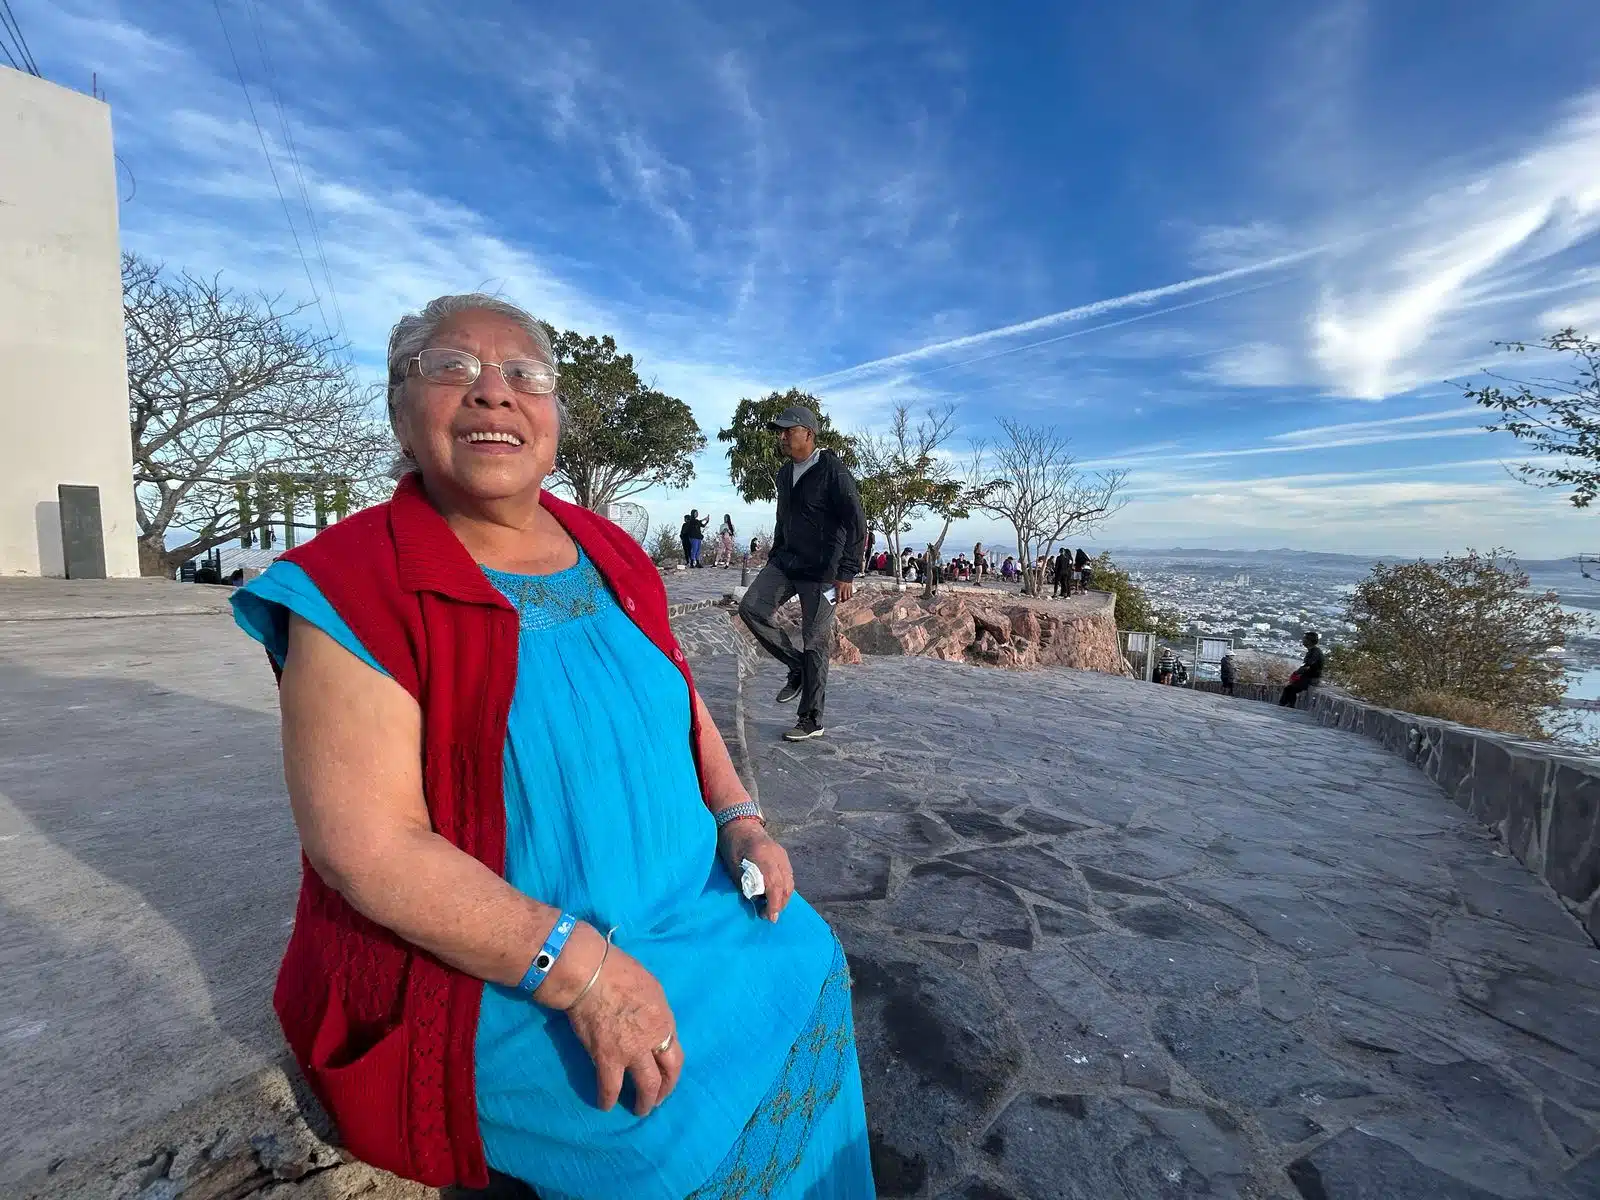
column 751, row 882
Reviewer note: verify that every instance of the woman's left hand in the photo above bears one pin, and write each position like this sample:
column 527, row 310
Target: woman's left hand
column 746, row 838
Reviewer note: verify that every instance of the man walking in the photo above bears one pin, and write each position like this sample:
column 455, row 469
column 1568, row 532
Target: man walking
column 1309, row 674
column 816, row 555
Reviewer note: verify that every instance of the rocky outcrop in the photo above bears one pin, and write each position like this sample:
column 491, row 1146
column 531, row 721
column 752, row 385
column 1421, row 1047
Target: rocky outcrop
column 966, row 626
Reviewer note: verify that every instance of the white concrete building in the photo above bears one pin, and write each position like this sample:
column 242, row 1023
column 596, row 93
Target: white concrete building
column 63, row 374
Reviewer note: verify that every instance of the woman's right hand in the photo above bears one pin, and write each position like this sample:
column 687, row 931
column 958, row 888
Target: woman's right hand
column 621, row 1021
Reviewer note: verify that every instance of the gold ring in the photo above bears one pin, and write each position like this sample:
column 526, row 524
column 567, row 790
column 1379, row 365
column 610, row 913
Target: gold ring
column 666, row 1044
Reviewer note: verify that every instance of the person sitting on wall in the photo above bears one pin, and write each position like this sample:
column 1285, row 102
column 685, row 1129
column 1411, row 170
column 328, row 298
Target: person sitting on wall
column 521, row 939
column 1309, row 674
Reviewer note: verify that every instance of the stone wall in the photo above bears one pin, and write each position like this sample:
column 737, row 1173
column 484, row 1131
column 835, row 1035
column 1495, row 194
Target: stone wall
column 1543, row 801
column 1268, row 692
column 986, row 629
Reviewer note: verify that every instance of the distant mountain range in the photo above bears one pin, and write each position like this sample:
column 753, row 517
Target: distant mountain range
column 1318, row 557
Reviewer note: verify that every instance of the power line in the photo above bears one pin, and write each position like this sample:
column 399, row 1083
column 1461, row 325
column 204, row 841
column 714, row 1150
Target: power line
column 271, row 169
column 294, row 160
column 133, row 183
column 20, row 43
column 9, row 57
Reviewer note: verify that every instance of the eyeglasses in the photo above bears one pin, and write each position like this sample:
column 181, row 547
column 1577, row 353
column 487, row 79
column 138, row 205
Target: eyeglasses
column 459, row 368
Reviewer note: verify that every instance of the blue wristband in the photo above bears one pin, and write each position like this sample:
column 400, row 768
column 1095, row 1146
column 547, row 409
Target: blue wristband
column 745, row 808
column 546, row 958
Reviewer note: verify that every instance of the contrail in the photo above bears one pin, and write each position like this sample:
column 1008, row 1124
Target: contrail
column 1061, row 337
column 1070, row 314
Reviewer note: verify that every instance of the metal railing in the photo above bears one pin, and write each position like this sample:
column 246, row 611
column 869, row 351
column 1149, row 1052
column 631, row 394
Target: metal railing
column 1143, row 649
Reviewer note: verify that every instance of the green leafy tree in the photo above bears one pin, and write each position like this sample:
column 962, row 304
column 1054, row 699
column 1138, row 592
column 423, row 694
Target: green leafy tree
column 1558, row 418
column 1135, row 610
column 1466, row 627
column 621, row 435
column 753, row 457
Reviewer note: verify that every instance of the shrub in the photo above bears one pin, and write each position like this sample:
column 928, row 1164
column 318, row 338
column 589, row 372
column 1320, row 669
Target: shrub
column 1464, row 710
column 665, row 548
column 1467, row 628
column 1134, row 610
column 1251, row 666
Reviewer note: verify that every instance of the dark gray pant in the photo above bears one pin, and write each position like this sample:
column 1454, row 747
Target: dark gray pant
column 768, row 592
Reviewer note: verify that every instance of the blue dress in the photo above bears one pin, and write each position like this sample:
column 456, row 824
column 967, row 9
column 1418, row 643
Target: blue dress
column 604, row 818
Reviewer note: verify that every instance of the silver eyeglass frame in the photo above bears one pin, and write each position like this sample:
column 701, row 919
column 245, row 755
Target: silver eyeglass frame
column 417, row 359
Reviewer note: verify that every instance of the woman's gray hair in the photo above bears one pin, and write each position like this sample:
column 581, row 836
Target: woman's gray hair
column 414, row 333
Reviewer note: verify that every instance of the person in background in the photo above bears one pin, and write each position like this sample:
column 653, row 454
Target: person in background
column 693, row 535
column 872, row 540
column 1230, row 674
column 521, row 832
column 1167, row 667
column 1080, row 567
column 725, row 541
column 1063, row 573
column 1309, row 674
column 1008, row 569
column 980, row 563
column 816, row 555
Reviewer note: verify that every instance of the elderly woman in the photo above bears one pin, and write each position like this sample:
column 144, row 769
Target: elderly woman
column 522, row 830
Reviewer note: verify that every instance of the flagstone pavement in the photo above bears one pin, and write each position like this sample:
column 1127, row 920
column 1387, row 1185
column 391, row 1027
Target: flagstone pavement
column 1117, row 941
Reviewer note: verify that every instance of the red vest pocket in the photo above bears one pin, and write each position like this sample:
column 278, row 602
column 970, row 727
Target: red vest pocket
column 364, row 1091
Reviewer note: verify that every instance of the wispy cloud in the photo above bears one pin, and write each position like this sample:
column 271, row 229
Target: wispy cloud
column 1077, row 313
column 749, row 199
column 1376, row 439
column 1419, row 297
column 1315, row 432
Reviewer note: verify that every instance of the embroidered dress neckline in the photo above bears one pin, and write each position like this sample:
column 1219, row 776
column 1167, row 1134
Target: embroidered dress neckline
column 549, row 601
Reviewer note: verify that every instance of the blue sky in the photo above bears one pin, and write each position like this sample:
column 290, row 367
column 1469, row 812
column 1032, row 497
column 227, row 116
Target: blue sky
column 1237, row 249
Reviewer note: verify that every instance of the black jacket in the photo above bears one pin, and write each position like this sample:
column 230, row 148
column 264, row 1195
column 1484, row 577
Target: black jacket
column 1311, row 670
column 821, row 527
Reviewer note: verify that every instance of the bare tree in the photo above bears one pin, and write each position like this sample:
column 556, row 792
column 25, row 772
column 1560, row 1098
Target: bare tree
column 226, row 392
column 901, row 473
column 1039, row 489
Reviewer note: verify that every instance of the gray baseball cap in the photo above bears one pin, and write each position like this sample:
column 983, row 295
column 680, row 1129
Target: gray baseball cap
column 795, row 414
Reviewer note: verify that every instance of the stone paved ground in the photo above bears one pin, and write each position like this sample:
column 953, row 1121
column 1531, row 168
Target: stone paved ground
column 1112, row 940
column 148, row 865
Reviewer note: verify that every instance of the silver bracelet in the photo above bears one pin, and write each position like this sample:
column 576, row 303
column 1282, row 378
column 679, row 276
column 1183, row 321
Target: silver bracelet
column 745, row 808
column 604, row 954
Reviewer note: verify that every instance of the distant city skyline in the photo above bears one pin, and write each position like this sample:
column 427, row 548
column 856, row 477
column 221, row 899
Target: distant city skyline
column 1242, row 254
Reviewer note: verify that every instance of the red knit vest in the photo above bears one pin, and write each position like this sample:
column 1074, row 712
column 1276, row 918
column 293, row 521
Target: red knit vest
column 384, row 1032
